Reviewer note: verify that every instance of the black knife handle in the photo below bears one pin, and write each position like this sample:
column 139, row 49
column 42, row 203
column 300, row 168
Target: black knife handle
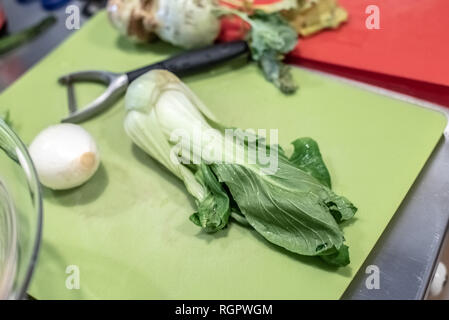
column 194, row 60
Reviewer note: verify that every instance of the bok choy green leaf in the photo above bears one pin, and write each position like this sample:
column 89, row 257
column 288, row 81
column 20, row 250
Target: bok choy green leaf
column 287, row 208
column 307, row 157
column 214, row 211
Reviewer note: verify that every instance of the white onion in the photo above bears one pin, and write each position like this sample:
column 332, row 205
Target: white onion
column 65, row 156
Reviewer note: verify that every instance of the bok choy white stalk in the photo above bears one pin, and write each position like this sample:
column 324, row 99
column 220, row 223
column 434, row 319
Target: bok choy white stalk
column 292, row 207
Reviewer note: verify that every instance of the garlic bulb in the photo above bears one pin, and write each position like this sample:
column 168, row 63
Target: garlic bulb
column 133, row 18
column 183, row 23
column 187, row 23
column 65, row 156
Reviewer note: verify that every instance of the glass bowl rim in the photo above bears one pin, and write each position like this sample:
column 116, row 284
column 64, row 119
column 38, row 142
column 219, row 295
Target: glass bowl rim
column 34, row 179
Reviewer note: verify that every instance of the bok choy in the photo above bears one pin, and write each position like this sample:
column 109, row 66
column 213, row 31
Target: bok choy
column 287, row 200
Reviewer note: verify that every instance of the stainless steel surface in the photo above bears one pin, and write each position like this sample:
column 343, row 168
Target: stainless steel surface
column 116, row 86
column 407, row 251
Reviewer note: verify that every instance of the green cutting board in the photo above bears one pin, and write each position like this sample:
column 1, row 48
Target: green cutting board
column 127, row 229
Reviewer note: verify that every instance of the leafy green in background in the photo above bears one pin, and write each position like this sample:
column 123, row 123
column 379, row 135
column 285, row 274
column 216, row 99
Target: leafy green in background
column 10, row 42
column 270, row 38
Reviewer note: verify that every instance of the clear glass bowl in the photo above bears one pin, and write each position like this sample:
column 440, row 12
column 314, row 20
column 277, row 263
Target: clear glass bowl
column 20, row 215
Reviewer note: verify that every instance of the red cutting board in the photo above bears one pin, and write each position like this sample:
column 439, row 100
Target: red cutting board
column 408, row 53
column 412, row 41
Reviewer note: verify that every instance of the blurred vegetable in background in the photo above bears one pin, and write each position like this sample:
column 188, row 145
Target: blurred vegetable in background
column 188, row 23
column 264, row 5
column 270, row 38
column 312, row 16
column 183, row 23
column 307, row 17
column 271, row 28
column 12, row 41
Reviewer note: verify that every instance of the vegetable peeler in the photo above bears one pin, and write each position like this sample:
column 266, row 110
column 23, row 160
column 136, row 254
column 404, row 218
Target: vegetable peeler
column 117, row 83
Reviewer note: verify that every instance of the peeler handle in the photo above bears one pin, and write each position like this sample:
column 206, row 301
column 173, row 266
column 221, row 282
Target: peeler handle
column 194, row 60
